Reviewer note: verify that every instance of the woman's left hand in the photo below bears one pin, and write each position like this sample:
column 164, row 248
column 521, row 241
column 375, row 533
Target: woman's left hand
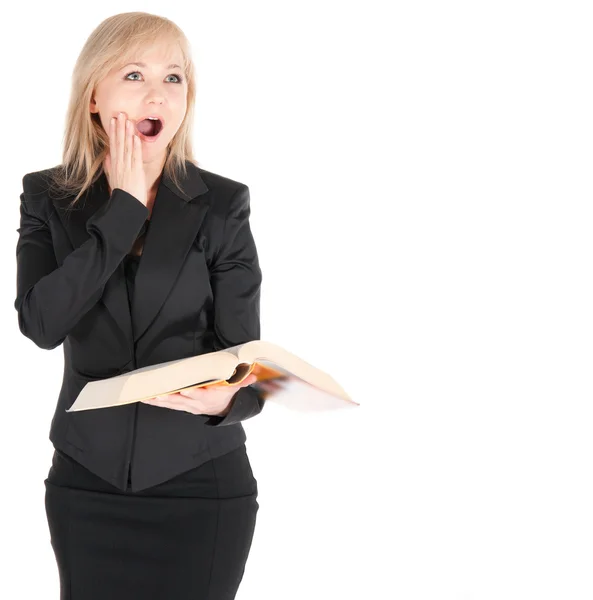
column 215, row 400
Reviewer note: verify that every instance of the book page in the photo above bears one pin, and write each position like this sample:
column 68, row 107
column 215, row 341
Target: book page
column 189, row 372
column 290, row 365
column 155, row 380
column 303, row 386
column 284, row 388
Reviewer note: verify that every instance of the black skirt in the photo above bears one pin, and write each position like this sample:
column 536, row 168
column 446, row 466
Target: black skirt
column 185, row 539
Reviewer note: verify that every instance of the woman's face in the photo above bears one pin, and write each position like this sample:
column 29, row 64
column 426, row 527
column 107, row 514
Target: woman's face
column 153, row 88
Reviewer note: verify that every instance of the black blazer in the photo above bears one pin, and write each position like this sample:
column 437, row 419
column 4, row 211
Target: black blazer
column 197, row 290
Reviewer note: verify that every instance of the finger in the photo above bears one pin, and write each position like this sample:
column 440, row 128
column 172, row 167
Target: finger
column 178, row 405
column 163, row 405
column 129, row 146
column 193, row 404
column 249, row 380
column 158, row 400
column 137, row 152
column 112, row 147
column 172, row 399
column 191, row 407
column 161, row 401
column 165, row 397
column 120, row 140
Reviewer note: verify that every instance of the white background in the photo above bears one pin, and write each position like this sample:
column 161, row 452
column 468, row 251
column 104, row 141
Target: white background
column 421, row 199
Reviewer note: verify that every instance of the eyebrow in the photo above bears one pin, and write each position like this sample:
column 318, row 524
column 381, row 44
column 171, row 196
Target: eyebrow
column 143, row 65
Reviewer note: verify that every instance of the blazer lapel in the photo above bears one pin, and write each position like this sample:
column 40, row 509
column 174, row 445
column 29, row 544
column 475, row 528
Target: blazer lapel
column 74, row 219
column 175, row 220
column 174, row 224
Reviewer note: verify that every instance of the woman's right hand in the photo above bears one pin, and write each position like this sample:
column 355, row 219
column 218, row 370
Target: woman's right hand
column 123, row 164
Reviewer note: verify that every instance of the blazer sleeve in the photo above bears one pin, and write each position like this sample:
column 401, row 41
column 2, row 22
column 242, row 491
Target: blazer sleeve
column 235, row 278
column 50, row 300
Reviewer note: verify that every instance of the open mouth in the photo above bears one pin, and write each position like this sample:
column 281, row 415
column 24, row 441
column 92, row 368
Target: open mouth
column 149, row 128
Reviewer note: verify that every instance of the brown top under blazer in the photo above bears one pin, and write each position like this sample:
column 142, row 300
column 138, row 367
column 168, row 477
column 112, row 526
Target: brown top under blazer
column 197, row 290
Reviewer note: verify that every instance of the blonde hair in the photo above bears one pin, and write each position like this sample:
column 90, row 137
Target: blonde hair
column 86, row 143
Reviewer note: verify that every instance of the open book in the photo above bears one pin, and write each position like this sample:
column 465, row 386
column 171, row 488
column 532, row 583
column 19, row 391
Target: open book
column 281, row 377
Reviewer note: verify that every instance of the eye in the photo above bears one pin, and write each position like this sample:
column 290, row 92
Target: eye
column 179, row 78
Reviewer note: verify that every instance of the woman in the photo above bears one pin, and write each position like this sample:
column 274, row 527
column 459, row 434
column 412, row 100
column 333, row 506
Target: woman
column 129, row 255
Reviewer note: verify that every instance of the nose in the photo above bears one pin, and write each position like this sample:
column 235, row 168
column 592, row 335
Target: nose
column 155, row 95
column 155, row 98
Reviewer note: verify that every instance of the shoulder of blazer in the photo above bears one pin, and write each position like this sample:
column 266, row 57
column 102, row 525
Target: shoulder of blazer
column 36, row 187
column 219, row 183
column 37, row 182
column 224, row 190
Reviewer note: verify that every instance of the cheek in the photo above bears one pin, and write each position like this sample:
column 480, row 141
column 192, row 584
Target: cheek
column 180, row 101
column 105, row 117
column 179, row 116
